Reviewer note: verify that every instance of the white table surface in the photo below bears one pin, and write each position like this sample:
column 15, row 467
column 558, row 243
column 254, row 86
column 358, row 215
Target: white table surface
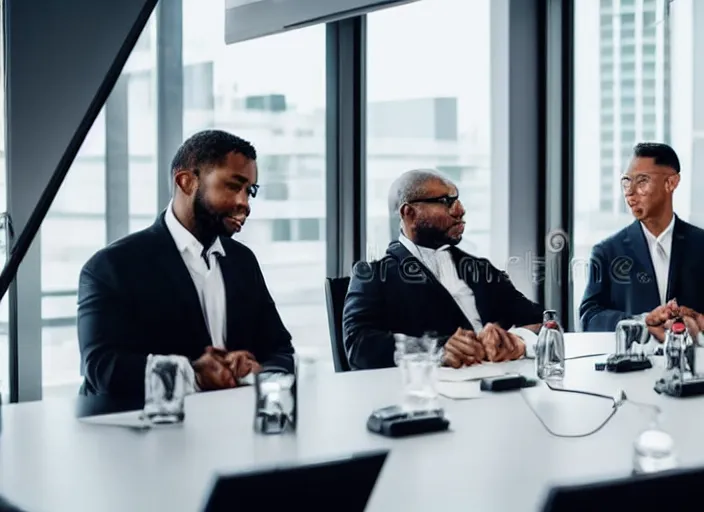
column 497, row 456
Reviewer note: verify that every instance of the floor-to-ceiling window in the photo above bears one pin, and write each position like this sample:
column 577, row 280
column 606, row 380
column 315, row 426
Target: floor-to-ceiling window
column 429, row 101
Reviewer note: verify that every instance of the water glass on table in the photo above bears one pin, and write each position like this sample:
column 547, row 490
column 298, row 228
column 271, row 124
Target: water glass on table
column 166, row 385
column 275, row 402
column 418, row 358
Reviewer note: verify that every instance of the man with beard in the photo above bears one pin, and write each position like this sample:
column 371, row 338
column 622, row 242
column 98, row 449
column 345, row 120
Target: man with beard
column 425, row 284
column 652, row 267
column 183, row 286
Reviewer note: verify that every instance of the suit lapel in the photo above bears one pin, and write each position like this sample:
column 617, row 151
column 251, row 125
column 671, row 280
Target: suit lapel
column 411, row 266
column 638, row 251
column 233, row 290
column 476, row 274
column 677, row 259
column 183, row 291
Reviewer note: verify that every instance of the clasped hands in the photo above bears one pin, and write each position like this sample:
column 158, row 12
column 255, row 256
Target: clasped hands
column 492, row 344
column 220, row 369
column 662, row 318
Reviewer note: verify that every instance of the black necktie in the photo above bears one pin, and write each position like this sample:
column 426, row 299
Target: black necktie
column 204, row 255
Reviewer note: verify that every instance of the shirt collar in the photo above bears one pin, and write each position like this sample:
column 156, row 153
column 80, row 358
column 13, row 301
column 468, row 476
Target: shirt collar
column 665, row 236
column 415, row 249
column 185, row 241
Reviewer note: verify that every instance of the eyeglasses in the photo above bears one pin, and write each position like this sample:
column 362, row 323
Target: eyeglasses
column 640, row 181
column 446, row 200
column 252, row 189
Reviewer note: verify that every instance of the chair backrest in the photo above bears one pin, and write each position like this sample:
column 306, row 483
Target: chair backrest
column 335, row 293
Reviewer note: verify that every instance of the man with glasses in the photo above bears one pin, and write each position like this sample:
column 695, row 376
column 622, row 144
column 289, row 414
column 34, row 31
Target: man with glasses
column 183, row 286
column 425, row 284
column 652, row 267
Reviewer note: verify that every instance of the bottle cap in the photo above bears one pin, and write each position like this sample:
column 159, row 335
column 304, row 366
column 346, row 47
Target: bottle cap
column 678, row 327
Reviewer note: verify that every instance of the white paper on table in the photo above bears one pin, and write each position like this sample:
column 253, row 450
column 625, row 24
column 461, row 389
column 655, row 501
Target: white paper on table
column 130, row 419
column 464, row 390
column 479, row 371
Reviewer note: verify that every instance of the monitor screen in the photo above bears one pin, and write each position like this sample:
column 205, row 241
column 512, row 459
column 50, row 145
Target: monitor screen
column 667, row 490
column 343, row 483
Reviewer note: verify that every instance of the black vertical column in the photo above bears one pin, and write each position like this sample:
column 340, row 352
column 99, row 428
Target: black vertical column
column 559, row 170
column 346, row 154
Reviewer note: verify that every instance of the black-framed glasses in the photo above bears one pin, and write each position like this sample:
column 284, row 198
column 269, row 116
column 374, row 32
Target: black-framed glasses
column 252, row 189
column 446, row 200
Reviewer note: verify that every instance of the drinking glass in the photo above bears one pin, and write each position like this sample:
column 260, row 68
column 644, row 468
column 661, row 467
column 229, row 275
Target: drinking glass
column 631, row 336
column 418, row 358
column 654, row 448
column 275, row 404
column 166, row 385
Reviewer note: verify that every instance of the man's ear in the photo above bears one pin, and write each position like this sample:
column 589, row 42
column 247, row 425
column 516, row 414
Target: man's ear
column 186, row 180
column 407, row 212
column 672, row 182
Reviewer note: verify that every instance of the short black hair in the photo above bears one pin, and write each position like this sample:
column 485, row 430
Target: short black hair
column 210, row 147
column 662, row 154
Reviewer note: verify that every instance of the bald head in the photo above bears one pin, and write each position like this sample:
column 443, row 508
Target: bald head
column 427, row 206
column 412, row 185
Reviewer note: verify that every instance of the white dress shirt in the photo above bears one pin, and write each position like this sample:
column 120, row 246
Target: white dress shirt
column 440, row 263
column 208, row 282
column 660, row 248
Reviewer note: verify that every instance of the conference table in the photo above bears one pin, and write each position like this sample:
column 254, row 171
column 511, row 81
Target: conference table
column 496, row 456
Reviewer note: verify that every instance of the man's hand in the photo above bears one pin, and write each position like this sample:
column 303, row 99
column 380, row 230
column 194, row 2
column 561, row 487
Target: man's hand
column 697, row 317
column 212, row 373
column 690, row 323
column 661, row 314
column 463, row 348
column 657, row 318
column 240, row 362
column 501, row 345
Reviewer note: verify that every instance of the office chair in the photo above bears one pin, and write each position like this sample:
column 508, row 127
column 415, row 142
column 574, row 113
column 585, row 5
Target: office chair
column 335, row 293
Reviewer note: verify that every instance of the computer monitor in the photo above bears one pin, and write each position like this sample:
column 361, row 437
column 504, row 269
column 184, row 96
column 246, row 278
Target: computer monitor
column 341, row 484
column 668, row 490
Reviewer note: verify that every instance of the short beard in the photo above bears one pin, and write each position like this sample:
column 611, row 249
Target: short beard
column 209, row 224
column 431, row 237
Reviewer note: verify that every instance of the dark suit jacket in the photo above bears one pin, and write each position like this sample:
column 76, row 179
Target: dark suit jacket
column 136, row 297
column 622, row 282
column 398, row 295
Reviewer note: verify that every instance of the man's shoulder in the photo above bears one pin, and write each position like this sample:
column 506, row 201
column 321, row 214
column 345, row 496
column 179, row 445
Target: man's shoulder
column 693, row 232
column 237, row 249
column 128, row 249
column 617, row 239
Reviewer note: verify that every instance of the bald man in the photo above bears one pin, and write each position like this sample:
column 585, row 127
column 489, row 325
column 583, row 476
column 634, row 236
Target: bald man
column 425, row 284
